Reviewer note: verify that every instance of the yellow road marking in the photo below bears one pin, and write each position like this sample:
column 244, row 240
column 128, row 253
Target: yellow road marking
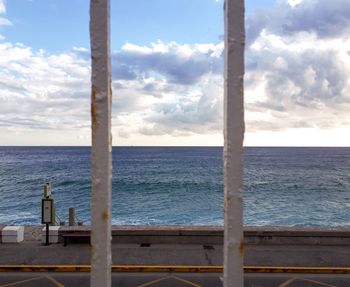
column 284, row 284
column 186, row 281
column 151, row 282
column 53, row 280
column 317, row 282
column 22, row 281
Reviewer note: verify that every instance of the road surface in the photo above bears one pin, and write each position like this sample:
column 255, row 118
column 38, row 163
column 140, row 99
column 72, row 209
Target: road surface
column 140, row 279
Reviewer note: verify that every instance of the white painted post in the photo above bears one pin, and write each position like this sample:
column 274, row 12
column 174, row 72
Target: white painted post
column 233, row 142
column 101, row 97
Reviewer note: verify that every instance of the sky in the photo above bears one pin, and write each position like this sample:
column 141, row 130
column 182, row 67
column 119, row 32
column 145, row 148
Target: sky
column 167, row 72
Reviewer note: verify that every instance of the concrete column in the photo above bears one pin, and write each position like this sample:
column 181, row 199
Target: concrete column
column 101, row 97
column 233, row 142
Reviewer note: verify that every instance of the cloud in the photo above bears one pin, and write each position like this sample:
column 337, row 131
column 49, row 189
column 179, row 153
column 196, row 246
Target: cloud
column 2, row 7
column 296, row 76
column 197, row 112
column 297, row 70
column 179, row 64
column 298, row 67
column 168, row 89
column 327, row 19
column 4, row 21
column 43, row 91
column 294, row 2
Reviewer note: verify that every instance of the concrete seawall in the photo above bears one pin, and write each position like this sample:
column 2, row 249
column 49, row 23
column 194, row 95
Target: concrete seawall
column 214, row 235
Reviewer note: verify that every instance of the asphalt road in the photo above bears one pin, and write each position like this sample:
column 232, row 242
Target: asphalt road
column 60, row 279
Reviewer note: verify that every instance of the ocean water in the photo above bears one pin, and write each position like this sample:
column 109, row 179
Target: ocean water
column 181, row 185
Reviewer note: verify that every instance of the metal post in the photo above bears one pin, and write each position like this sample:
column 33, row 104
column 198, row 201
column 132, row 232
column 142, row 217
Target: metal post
column 71, row 216
column 101, row 97
column 47, row 234
column 233, row 142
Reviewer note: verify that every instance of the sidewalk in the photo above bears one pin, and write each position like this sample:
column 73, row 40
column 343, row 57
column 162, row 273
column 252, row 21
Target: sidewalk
column 189, row 246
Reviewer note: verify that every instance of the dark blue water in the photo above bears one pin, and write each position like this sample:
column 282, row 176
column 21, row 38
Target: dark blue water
column 181, row 185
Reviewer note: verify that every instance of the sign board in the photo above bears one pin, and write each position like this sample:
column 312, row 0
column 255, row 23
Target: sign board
column 47, row 211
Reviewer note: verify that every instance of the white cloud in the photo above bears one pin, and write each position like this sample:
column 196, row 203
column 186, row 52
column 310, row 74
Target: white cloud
column 2, row 7
column 301, row 68
column 40, row 92
column 4, row 21
column 294, row 2
column 168, row 89
column 180, row 64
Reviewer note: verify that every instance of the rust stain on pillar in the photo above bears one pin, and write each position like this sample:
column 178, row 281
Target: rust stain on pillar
column 93, row 109
column 241, row 248
column 104, row 216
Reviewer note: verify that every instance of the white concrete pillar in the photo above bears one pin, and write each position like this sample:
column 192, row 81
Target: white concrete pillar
column 233, row 142
column 101, row 97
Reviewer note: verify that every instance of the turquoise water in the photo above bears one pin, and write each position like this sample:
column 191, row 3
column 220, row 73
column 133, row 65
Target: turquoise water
column 181, row 185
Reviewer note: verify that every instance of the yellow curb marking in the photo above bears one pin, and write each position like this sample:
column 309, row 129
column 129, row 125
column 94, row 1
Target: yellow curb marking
column 295, row 269
column 175, row 268
column 186, row 281
column 53, row 280
column 20, row 282
column 151, row 282
column 165, row 268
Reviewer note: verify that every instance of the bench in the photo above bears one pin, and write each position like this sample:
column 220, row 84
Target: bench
column 78, row 237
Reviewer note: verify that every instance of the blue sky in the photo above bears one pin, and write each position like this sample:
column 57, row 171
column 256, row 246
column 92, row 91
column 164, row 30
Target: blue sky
column 167, row 67
column 57, row 26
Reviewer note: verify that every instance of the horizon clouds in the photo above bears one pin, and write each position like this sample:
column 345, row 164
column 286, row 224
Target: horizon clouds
column 297, row 67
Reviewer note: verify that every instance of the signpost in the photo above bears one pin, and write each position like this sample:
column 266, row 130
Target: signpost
column 47, row 210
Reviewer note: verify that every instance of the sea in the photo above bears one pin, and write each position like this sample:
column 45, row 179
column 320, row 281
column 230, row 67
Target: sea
column 287, row 186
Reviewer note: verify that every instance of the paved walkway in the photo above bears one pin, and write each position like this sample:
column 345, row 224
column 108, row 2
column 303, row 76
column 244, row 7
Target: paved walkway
column 190, row 246
column 176, row 254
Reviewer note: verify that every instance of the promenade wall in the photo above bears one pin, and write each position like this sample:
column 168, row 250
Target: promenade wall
column 214, row 235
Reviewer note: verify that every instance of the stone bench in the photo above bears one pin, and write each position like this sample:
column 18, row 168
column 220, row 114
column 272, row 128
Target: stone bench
column 12, row 234
column 53, row 234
